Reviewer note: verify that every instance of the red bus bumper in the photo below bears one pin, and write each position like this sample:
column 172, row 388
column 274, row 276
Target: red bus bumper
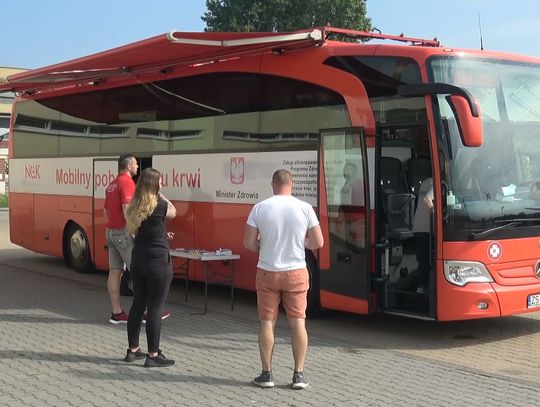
column 482, row 300
column 513, row 300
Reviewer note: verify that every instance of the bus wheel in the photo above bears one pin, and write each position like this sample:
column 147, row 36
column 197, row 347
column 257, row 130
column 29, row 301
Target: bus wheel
column 78, row 250
column 313, row 295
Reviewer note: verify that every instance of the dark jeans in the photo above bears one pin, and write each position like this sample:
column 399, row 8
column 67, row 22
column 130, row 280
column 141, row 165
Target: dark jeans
column 150, row 293
column 423, row 255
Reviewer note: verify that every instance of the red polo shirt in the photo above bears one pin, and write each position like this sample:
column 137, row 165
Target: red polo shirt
column 118, row 193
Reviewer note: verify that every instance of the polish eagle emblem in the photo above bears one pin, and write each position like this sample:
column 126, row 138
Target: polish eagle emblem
column 237, row 170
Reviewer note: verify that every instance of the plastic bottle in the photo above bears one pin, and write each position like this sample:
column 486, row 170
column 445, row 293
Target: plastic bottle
column 450, row 198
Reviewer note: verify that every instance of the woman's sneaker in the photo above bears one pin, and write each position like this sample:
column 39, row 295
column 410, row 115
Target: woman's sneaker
column 264, row 380
column 299, row 381
column 133, row 356
column 158, row 361
column 120, row 318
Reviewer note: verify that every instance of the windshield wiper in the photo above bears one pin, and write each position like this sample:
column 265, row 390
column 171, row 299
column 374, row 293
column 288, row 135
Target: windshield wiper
column 511, row 224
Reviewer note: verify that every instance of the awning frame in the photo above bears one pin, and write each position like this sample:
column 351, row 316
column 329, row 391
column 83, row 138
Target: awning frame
column 49, row 79
column 176, row 49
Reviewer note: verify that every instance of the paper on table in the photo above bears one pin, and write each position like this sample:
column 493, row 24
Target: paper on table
column 507, row 193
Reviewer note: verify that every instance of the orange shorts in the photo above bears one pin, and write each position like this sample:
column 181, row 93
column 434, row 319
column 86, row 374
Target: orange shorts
column 289, row 287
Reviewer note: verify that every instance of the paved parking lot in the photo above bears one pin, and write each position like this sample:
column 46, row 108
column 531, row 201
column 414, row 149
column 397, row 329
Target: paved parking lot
column 57, row 348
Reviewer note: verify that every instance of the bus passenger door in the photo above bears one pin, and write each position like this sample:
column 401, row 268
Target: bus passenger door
column 344, row 213
column 405, row 196
column 105, row 171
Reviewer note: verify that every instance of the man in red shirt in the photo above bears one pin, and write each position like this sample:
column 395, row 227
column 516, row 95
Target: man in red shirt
column 120, row 243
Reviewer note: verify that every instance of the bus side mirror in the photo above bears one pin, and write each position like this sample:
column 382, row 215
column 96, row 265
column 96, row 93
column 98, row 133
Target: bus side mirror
column 470, row 126
column 464, row 105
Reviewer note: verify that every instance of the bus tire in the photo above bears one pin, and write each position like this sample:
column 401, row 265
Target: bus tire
column 78, row 250
column 313, row 294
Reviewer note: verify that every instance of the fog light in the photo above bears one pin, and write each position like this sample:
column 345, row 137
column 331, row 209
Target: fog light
column 482, row 305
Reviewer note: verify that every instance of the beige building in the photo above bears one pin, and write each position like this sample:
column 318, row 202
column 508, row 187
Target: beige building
column 6, row 100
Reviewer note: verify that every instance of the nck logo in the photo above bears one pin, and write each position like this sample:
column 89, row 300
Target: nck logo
column 494, row 251
column 237, row 170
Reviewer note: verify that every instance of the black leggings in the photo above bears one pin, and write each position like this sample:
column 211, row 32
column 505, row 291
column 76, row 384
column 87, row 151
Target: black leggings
column 150, row 291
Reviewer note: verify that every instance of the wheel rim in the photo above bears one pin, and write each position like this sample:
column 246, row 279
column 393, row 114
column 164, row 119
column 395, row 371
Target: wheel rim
column 77, row 246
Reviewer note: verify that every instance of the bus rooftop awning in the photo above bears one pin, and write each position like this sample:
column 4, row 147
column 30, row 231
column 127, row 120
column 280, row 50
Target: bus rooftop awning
column 160, row 53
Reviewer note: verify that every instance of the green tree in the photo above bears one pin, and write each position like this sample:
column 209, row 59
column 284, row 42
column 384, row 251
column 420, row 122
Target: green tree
column 284, row 15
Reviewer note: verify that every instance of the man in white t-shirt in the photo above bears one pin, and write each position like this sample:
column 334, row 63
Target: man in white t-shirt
column 280, row 228
column 422, row 233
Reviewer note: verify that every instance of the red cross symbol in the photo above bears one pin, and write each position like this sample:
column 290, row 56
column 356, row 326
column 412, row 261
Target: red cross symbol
column 494, row 251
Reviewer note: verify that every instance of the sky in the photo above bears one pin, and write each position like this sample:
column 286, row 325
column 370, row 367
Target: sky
column 37, row 33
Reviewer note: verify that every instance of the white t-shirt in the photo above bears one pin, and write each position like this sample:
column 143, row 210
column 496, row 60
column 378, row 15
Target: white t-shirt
column 283, row 222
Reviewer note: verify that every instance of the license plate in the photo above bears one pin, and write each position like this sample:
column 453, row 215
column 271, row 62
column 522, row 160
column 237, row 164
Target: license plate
column 533, row 300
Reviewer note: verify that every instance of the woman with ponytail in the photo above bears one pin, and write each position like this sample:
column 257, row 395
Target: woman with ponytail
column 151, row 268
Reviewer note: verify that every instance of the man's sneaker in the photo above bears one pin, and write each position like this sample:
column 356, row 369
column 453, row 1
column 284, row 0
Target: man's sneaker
column 133, row 356
column 164, row 315
column 299, row 381
column 264, row 380
column 120, row 318
column 158, row 361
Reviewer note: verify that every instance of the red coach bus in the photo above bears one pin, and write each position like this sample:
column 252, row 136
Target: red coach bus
column 361, row 126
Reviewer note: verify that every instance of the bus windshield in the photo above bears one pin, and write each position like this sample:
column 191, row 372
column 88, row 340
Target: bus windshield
column 499, row 182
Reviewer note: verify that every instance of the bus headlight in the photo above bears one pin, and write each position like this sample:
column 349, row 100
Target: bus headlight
column 464, row 272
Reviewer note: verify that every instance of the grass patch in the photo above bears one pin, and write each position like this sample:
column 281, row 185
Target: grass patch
column 4, row 201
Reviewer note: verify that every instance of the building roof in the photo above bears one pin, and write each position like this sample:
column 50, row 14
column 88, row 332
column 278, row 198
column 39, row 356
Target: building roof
column 5, row 106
